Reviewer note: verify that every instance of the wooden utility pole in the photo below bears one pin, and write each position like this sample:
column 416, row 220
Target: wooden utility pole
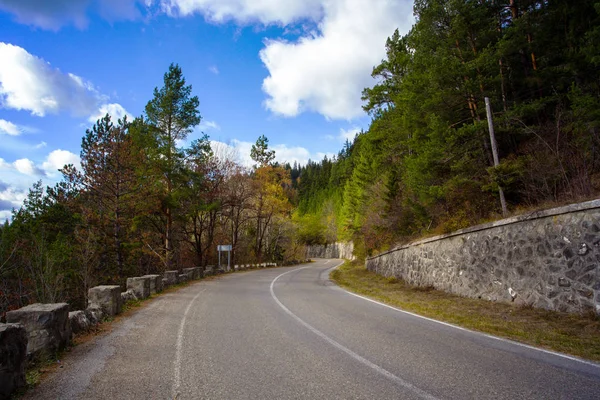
column 488, row 110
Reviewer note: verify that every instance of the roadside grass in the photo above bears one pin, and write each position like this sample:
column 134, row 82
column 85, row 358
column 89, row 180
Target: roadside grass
column 578, row 335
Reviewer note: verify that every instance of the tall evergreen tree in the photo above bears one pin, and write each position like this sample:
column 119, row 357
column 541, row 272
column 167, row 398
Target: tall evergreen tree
column 171, row 115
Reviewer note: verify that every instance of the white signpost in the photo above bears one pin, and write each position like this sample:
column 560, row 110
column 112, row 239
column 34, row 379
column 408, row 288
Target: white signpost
column 227, row 248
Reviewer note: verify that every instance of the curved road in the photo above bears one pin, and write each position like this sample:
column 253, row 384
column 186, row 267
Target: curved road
column 289, row 333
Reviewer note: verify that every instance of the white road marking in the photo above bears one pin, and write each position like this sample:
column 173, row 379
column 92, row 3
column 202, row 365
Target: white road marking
column 562, row 355
column 177, row 371
column 421, row 393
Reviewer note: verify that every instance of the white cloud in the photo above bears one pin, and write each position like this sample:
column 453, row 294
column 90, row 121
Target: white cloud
column 214, row 69
column 57, row 159
column 29, row 83
column 9, row 128
column 41, row 145
column 47, row 14
column 10, row 198
column 348, row 134
column 54, row 14
column 208, row 125
column 27, row 167
column 326, row 71
column 283, row 153
column 115, row 110
column 246, row 11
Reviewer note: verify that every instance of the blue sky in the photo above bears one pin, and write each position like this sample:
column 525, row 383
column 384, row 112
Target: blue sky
column 291, row 70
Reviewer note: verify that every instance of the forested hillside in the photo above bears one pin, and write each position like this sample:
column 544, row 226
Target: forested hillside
column 425, row 164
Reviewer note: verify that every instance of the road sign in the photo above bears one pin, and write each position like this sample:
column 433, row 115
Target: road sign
column 224, row 247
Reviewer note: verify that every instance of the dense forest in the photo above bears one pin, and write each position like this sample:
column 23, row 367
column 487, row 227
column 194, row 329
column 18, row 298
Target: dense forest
column 141, row 203
column 425, row 165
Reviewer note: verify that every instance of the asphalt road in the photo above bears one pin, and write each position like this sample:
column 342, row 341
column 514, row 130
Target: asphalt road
column 289, row 333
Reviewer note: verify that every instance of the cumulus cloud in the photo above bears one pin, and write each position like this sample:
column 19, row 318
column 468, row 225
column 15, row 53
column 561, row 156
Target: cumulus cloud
column 54, row 14
column 348, row 134
column 57, row 159
column 9, row 198
column 27, row 167
column 29, row 83
column 115, row 110
column 326, row 71
column 47, row 14
column 283, row 153
column 9, row 128
column 245, row 11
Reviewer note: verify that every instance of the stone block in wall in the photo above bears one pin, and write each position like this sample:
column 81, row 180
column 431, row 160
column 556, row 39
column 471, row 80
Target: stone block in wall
column 128, row 295
column 208, row 270
column 79, row 321
column 94, row 314
column 183, row 278
column 140, row 286
column 194, row 273
column 47, row 325
column 165, row 283
column 107, row 298
column 172, row 277
column 13, row 355
column 155, row 283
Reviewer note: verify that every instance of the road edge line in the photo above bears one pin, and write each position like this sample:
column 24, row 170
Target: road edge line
column 420, row 392
column 490, row 336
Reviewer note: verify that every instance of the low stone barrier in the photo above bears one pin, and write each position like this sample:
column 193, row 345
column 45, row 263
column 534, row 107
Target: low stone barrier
column 172, row 277
column 140, row 286
column 47, row 325
column 79, row 321
column 191, row 272
column 107, row 298
column 13, row 355
column 46, row 328
column 156, row 285
column 94, row 315
column 128, row 295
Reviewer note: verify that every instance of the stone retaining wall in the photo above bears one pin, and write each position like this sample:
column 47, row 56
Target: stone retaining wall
column 331, row 250
column 548, row 259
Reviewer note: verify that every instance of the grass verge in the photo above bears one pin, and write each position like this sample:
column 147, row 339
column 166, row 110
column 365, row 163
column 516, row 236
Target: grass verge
column 574, row 334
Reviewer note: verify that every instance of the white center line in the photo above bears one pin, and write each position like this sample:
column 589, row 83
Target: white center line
column 177, row 371
column 421, row 393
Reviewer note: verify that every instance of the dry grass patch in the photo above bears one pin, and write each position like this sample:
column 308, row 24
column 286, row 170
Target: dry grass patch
column 578, row 335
